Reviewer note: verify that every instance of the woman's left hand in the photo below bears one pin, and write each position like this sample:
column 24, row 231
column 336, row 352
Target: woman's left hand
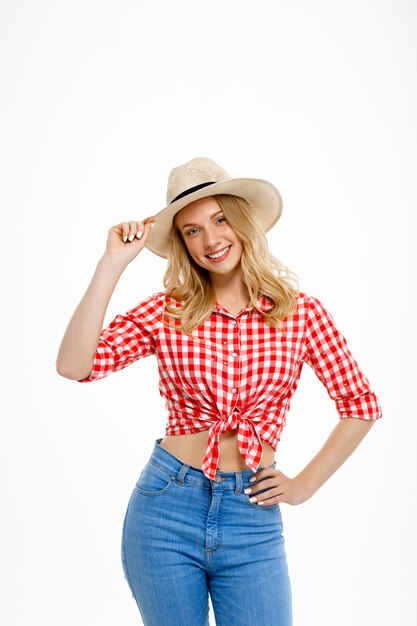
column 279, row 488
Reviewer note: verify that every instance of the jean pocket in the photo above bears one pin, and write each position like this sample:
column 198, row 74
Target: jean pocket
column 154, row 481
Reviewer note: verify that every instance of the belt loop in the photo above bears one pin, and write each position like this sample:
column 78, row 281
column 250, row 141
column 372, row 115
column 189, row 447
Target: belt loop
column 238, row 477
column 184, row 469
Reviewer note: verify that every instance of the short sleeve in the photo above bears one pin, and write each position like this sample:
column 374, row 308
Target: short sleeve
column 128, row 338
column 329, row 356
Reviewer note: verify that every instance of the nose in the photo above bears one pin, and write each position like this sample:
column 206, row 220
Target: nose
column 211, row 239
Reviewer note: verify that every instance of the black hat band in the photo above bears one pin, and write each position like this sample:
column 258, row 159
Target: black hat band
column 192, row 189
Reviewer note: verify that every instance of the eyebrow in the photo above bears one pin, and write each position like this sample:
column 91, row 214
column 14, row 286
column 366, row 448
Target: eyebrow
column 195, row 224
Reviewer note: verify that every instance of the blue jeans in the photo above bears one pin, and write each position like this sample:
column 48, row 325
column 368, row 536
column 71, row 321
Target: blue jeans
column 186, row 536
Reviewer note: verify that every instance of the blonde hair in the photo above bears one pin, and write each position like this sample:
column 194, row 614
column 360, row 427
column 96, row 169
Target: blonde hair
column 190, row 287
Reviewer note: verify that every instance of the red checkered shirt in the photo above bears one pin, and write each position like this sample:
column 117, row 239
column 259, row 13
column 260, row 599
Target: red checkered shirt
column 237, row 372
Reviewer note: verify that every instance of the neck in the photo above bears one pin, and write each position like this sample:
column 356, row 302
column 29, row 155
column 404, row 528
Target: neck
column 230, row 287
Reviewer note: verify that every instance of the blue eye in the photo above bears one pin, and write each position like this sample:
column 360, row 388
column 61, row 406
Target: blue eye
column 191, row 231
column 223, row 218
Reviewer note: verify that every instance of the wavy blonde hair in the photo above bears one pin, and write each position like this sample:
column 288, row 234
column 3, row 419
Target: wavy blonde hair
column 190, row 287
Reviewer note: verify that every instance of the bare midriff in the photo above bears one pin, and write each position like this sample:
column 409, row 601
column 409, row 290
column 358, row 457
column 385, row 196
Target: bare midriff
column 191, row 449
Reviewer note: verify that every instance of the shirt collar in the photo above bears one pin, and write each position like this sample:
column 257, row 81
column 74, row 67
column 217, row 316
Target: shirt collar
column 263, row 303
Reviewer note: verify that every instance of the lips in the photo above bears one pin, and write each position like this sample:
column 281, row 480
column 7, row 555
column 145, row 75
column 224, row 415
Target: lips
column 219, row 255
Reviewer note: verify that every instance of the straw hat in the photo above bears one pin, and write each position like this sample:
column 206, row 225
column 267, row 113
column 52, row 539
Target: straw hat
column 200, row 178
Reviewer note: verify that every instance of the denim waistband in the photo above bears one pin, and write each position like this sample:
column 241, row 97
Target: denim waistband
column 179, row 469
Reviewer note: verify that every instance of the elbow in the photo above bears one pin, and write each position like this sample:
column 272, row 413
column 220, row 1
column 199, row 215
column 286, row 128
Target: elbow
column 67, row 370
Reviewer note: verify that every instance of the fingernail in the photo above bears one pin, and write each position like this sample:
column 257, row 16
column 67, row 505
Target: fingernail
column 139, row 234
column 131, row 237
column 248, row 490
column 251, row 480
column 153, row 224
column 253, row 499
column 125, row 238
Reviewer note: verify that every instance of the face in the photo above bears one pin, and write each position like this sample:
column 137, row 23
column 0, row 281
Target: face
column 209, row 238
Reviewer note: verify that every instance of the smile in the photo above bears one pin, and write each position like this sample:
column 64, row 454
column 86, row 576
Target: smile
column 219, row 255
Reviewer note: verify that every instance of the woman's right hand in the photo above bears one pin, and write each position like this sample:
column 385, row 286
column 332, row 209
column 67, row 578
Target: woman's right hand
column 127, row 239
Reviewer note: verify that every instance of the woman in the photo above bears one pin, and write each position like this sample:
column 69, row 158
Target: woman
column 231, row 332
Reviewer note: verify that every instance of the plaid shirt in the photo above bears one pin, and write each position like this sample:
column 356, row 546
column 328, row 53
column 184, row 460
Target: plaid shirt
column 237, row 372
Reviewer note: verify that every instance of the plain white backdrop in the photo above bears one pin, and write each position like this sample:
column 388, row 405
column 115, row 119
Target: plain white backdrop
column 99, row 100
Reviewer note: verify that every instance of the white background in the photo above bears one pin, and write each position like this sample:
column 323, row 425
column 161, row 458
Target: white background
column 99, row 101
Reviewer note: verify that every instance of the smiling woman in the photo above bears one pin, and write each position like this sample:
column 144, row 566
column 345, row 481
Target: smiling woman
column 231, row 333
column 242, row 267
column 209, row 238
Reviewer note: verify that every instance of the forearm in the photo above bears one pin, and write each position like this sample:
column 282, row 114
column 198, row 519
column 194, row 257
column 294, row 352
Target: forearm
column 76, row 352
column 343, row 440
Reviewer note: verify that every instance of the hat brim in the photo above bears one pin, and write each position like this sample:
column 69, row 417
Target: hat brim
column 264, row 198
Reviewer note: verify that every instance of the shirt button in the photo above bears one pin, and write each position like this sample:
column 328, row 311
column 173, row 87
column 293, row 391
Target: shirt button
column 234, row 322
column 234, row 389
column 217, row 478
column 234, row 354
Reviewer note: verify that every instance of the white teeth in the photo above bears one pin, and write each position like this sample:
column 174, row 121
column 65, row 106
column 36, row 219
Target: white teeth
column 218, row 254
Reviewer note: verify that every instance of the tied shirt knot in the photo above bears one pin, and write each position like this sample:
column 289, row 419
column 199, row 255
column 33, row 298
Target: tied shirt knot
column 249, row 442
